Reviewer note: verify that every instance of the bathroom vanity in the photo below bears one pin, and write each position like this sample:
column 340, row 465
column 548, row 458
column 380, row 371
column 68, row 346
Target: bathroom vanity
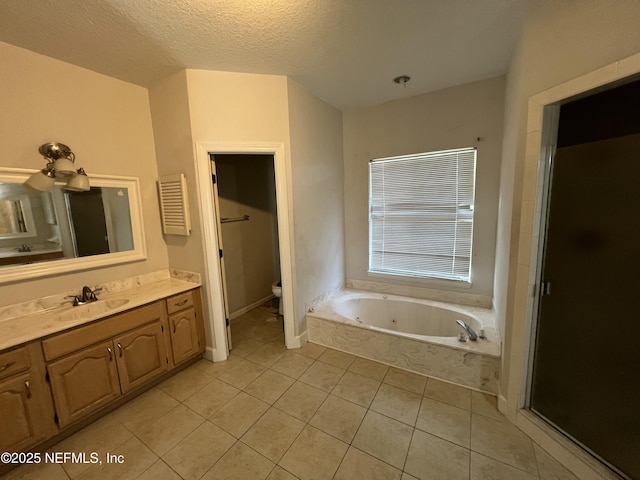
column 61, row 366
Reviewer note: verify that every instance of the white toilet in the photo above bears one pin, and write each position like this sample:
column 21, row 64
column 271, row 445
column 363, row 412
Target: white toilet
column 276, row 288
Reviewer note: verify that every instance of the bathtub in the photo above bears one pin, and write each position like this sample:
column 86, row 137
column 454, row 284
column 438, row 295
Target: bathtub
column 413, row 334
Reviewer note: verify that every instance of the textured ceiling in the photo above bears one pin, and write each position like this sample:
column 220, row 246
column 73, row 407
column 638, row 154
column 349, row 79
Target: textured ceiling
column 345, row 51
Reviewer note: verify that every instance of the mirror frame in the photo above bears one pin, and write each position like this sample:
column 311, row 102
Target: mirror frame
column 46, row 268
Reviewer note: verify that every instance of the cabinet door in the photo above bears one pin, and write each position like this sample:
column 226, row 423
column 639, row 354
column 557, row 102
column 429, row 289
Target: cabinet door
column 17, row 428
column 184, row 335
column 141, row 355
column 84, row 382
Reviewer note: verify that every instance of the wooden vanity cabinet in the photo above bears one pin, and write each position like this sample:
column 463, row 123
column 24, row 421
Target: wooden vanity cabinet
column 131, row 352
column 84, row 382
column 141, row 355
column 185, row 328
column 26, row 408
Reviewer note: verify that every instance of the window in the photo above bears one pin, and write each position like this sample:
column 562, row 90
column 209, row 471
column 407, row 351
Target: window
column 421, row 214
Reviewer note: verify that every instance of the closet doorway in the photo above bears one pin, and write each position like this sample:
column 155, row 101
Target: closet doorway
column 247, row 227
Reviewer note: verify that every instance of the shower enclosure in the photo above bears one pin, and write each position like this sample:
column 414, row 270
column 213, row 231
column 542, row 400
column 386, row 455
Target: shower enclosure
column 585, row 356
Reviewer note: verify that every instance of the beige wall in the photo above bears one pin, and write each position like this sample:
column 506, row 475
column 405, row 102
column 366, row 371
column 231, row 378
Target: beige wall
column 318, row 199
column 559, row 41
column 246, row 186
column 107, row 124
column 450, row 118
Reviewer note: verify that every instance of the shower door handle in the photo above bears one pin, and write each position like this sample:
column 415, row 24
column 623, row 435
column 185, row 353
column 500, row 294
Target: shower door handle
column 545, row 288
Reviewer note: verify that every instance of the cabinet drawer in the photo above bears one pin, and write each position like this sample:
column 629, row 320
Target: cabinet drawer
column 179, row 302
column 74, row 340
column 14, row 361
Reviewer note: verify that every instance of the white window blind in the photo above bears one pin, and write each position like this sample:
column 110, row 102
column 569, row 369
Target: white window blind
column 421, row 214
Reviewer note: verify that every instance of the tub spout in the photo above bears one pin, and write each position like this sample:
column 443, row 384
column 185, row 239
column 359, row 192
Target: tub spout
column 473, row 336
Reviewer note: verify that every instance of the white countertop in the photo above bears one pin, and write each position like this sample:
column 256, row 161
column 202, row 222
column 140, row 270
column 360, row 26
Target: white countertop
column 22, row 329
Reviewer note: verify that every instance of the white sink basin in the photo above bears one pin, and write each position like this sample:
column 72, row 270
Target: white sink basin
column 92, row 309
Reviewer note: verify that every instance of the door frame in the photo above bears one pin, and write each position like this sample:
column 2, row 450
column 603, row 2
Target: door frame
column 212, row 270
column 521, row 304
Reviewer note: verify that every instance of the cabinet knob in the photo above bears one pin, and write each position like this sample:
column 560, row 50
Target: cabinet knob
column 110, row 354
column 183, row 302
column 119, row 349
column 27, row 388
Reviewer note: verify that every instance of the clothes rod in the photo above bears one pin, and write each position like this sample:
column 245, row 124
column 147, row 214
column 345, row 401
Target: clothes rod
column 235, row 219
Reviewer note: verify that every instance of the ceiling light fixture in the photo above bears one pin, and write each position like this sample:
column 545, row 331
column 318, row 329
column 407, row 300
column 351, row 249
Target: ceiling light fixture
column 402, row 80
column 60, row 165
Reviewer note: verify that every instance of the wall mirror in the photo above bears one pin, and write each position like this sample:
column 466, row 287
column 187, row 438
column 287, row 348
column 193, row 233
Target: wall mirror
column 48, row 233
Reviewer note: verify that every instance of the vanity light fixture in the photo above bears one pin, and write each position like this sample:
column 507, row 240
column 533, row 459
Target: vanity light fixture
column 60, row 165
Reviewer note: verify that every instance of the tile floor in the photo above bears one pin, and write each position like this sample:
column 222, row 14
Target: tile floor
column 308, row 414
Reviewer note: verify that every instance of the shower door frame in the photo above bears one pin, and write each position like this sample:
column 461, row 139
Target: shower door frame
column 523, row 300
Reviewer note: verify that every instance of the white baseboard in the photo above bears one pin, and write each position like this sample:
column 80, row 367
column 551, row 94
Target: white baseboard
column 298, row 341
column 250, row 307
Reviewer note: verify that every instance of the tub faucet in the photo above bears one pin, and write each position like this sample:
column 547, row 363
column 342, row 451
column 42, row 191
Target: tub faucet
column 473, row 336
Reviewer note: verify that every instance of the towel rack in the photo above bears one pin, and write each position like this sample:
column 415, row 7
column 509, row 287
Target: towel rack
column 235, row 219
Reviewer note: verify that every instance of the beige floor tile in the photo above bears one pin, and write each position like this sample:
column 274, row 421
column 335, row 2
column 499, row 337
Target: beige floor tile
column 406, row 380
column 137, row 459
column 448, row 393
column 216, row 368
column 312, row 350
column 301, row 400
column 314, row 455
column 369, row 368
column 159, row 471
column 384, row 438
column 485, row 468
column 102, row 436
column 406, row 476
column 445, row 421
column 185, row 383
column 339, row 418
column 237, row 416
column 165, row 432
column 358, row 465
column 280, row 473
column 241, row 374
column 397, row 403
column 244, row 346
column 267, row 354
column 39, row 471
column 486, row 405
column 322, row 376
column 292, row 364
column 269, row 386
column 549, row 468
column 356, row 388
column 431, row 457
column 336, row 358
column 278, row 339
column 197, row 453
column 142, row 411
column 503, row 442
column 211, row 398
column 273, row 434
column 240, row 463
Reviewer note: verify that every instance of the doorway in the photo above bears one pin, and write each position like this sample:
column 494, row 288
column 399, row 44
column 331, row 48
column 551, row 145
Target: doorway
column 584, row 356
column 212, row 278
column 247, row 224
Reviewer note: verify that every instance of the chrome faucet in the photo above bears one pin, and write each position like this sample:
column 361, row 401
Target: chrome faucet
column 473, row 336
column 87, row 296
column 24, row 248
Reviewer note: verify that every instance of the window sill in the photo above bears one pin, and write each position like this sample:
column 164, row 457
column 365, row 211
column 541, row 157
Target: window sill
column 425, row 282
